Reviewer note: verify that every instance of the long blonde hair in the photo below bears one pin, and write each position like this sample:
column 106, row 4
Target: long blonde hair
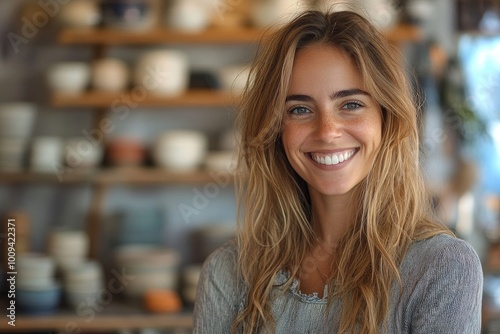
column 275, row 231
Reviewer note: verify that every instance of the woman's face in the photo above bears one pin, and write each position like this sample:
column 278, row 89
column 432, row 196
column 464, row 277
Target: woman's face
column 332, row 126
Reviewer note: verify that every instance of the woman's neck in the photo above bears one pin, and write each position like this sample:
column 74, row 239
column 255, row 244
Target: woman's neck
column 332, row 216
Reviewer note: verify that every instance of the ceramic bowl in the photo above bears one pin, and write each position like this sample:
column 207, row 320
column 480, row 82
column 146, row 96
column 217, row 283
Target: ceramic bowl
column 188, row 15
column 180, row 150
column 125, row 152
column 46, row 153
column 66, row 245
column 162, row 72
column 69, row 77
column 83, row 272
column 17, row 119
column 81, row 153
column 110, row 75
column 36, row 264
column 39, row 300
column 80, row 14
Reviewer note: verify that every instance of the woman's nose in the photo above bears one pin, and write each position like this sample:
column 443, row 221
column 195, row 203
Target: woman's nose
column 328, row 127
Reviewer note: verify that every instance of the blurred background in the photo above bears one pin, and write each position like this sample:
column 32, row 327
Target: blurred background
column 117, row 146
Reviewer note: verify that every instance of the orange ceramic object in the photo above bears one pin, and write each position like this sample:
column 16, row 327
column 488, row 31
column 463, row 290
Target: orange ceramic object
column 161, row 300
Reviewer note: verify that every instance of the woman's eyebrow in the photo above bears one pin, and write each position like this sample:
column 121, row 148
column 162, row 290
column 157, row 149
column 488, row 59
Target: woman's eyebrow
column 335, row 95
column 348, row 92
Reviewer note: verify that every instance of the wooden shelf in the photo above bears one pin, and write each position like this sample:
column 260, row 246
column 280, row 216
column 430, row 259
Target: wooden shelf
column 106, row 36
column 99, row 323
column 111, row 176
column 115, row 316
column 193, row 98
column 103, row 36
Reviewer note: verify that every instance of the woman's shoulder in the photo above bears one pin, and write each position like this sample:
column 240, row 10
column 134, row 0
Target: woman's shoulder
column 222, row 264
column 443, row 253
column 225, row 255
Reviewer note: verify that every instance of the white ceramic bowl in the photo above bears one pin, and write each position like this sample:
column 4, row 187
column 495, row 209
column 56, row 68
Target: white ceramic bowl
column 188, row 15
column 69, row 77
column 81, row 153
column 35, row 271
column 83, row 272
column 17, row 119
column 67, row 245
column 163, row 72
column 180, row 150
column 80, row 13
column 110, row 75
column 65, row 261
column 46, row 154
column 35, row 265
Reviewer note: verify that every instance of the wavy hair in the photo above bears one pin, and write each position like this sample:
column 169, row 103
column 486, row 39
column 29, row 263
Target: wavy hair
column 392, row 205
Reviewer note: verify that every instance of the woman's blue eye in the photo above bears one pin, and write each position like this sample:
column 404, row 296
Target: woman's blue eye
column 352, row 105
column 299, row 110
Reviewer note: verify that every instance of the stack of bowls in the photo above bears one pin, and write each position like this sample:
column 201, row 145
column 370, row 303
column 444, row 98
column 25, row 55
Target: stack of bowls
column 151, row 267
column 83, row 282
column 37, row 292
column 16, row 124
column 68, row 247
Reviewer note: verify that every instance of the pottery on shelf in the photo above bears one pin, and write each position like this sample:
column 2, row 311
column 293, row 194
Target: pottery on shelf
column 162, row 72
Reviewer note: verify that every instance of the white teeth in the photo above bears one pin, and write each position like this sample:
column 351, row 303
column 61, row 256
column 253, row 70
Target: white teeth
column 332, row 159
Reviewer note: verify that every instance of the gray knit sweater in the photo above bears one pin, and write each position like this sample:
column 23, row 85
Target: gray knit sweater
column 442, row 290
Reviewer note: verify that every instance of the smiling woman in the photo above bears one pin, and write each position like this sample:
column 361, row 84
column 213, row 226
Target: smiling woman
column 337, row 234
